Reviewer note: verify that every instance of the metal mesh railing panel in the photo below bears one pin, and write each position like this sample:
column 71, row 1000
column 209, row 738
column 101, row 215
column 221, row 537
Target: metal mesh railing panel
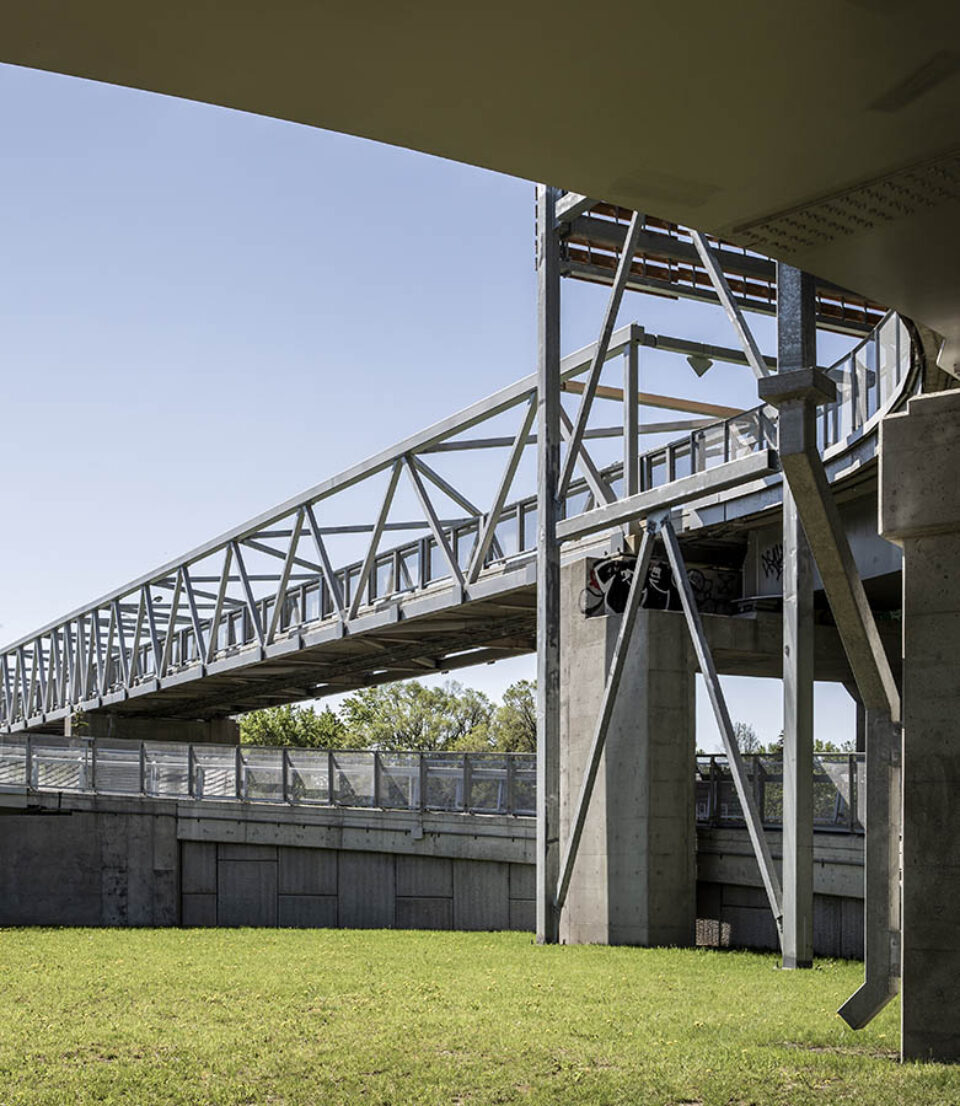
column 166, row 771
column 400, row 781
column 261, row 775
column 13, row 764
column 308, row 776
column 118, row 768
column 353, row 779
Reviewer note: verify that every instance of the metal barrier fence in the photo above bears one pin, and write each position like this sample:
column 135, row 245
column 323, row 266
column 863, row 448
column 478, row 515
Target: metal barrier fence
column 838, row 790
column 477, row 783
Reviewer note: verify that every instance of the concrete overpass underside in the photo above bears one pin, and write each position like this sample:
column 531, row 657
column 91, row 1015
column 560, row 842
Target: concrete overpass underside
column 829, row 139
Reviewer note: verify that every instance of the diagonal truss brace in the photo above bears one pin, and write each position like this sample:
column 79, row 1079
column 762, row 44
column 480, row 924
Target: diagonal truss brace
column 488, row 534
column 598, row 487
column 755, row 358
column 431, row 515
column 600, row 353
column 758, row 839
column 454, row 493
column 368, row 561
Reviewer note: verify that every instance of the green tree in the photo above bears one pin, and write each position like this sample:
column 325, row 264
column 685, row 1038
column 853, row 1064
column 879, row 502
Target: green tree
column 514, row 728
column 410, row 716
column 747, row 738
column 299, row 726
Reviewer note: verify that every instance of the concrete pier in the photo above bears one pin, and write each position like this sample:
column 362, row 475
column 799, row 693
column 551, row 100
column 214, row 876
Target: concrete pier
column 634, row 882
column 103, row 723
column 920, row 510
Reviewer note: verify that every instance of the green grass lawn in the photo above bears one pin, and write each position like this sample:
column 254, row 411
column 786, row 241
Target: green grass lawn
column 323, row 1017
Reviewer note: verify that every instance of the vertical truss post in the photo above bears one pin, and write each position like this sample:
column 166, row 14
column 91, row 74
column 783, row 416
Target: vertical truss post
column 797, row 348
column 548, row 566
column 631, row 418
column 748, row 803
column 607, row 705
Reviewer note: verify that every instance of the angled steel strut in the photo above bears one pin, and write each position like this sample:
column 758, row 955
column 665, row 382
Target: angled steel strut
column 797, row 395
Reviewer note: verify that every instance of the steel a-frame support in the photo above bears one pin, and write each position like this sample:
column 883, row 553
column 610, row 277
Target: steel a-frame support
column 748, row 804
column 797, row 395
column 608, row 702
column 548, row 566
column 660, row 523
column 796, row 347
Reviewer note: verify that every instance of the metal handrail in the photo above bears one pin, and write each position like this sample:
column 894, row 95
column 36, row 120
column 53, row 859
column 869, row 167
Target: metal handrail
column 473, row 782
column 838, row 787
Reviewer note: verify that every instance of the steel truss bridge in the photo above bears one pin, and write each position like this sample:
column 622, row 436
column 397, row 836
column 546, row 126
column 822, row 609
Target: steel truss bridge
column 440, row 530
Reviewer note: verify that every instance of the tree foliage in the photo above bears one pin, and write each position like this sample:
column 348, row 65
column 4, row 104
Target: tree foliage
column 515, row 722
column 303, row 727
column 408, row 715
column 405, row 716
column 747, row 738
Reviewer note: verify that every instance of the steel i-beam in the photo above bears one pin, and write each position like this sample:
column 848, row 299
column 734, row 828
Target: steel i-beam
column 796, row 347
column 548, row 566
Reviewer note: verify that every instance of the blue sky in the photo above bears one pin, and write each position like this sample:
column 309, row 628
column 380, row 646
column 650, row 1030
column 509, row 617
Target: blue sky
column 204, row 312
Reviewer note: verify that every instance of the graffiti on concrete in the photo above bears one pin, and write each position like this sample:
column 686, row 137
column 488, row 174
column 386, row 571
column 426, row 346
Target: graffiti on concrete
column 608, row 586
column 715, row 589
column 771, row 561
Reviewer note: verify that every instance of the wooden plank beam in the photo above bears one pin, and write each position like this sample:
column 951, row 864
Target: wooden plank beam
column 651, row 399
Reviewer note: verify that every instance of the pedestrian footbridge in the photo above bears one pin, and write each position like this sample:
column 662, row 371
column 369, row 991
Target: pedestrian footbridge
column 423, row 558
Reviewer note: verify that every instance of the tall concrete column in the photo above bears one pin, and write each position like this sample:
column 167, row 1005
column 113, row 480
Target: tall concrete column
column 797, row 349
column 634, row 881
column 920, row 510
column 548, row 563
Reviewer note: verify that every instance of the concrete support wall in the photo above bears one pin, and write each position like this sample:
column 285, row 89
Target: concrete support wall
column 920, row 509
column 162, row 863
column 270, row 885
column 103, row 723
column 732, row 906
column 89, row 868
column 634, row 881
